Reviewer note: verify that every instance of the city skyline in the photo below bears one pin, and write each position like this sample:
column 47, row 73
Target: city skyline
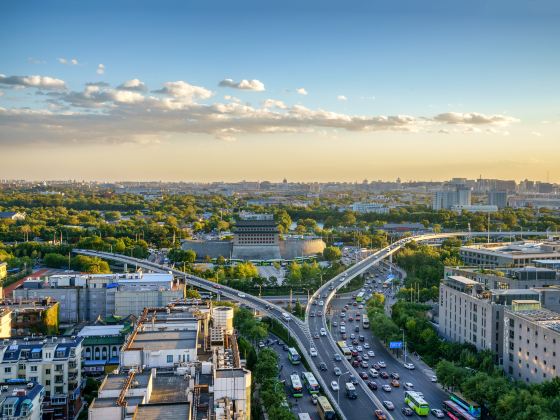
column 315, row 92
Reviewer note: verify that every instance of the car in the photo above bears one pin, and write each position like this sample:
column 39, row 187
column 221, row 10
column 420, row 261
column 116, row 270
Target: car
column 364, row 375
column 241, row 295
column 316, row 336
column 365, row 356
column 311, row 313
column 379, row 415
column 366, row 346
column 382, row 364
column 370, row 353
column 433, row 378
column 357, row 329
column 337, row 371
column 354, row 304
column 285, row 347
column 352, row 336
column 362, row 338
column 313, row 352
column 321, row 303
column 386, row 388
column 359, row 358
column 334, row 385
column 343, row 335
column 408, row 385
column 389, row 405
column 335, row 324
column 342, row 323
column 376, row 366
column 261, row 344
column 314, row 399
column 384, row 375
column 342, row 314
column 323, row 332
column 350, row 319
column 372, row 385
column 355, row 363
column 337, row 357
column 353, row 379
column 437, row 413
column 365, row 364
column 407, row 411
column 355, row 341
column 395, row 375
column 314, row 302
column 360, row 306
column 395, row 383
column 319, row 313
column 409, row 366
column 360, row 348
column 323, row 366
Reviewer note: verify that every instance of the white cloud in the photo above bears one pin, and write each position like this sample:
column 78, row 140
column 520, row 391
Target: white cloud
column 536, row 133
column 69, row 62
column 43, row 82
column 301, row 91
column 34, row 60
column 273, row 103
column 184, row 92
column 253, row 84
column 474, row 118
column 133, row 85
column 342, row 98
column 100, row 69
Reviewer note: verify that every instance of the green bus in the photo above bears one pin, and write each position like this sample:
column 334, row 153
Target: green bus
column 415, row 401
column 325, row 409
column 297, row 388
column 293, row 355
column 360, row 297
column 311, row 383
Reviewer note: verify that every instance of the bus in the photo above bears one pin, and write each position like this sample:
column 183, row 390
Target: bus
column 297, row 389
column 415, row 401
column 471, row 407
column 304, row 416
column 294, row 356
column 360, row 297
column 456, row 412
column 310, row 383
column 344, row 349
column 325, row 409
column 365, row 321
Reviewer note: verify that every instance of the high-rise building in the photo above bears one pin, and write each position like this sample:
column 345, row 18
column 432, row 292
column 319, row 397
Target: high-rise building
column 447, row 199
column 497, row 198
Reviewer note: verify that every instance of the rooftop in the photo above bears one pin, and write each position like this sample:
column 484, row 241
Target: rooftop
column 169, row 411
column 540, row 316
column 164, row 340
column 515, row 248
column 100, row 330
column 230, row 373
column 117, row 382
column 169, row 388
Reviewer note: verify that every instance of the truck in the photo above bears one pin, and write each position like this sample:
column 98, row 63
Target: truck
column 350, row 390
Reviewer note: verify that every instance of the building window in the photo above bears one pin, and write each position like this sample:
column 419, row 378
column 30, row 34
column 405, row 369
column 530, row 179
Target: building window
column 33, row 369
column 169, row 358
column 7, row 370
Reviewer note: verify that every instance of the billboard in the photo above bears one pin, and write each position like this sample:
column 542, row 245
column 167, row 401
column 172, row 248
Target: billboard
column 395, row 345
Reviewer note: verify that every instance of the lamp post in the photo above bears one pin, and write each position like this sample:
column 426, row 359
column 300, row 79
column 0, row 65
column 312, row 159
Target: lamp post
column 404, row 345
column 338, row 383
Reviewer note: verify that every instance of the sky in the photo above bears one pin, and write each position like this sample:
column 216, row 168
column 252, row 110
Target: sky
column 308, row 91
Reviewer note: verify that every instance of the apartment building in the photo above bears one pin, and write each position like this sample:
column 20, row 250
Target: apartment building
column 469, row 313
column 21, row 400
column 54, row 362
column 5, row 322
column 531, row 342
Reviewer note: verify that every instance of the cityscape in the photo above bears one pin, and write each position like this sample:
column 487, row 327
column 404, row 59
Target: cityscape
column 279, row 211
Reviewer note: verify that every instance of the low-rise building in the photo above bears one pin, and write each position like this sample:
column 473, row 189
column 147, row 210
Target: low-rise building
column 5, row 322
column 101, row 347
column 3, row 271
column 377, row 208
column 475, row 208
column 531, row 342
column 510, row 254
column 21, row 400
column 53, row 362
column 34, row 317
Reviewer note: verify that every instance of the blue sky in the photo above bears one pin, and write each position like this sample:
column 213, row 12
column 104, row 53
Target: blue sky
column 414, row 58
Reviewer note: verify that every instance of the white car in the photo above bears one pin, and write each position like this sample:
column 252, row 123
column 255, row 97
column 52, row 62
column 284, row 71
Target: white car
column 433, row 378
column 370, row 353
column 360, row 348
column 323, row 331
column 241, row 295
column 408, row 385
column 386, row 388
column 313, row 352
column 334, row 385
column 437, row 413
column 382, row 364
column 321, row 303
column 366, row 346
column 337, row 371
column 409, row 366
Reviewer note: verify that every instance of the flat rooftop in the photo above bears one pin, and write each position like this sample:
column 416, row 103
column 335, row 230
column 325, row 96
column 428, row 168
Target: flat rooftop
column 112, row 402
column 169, row 389
column 515, row 248
column 539, row 315
column 100, row 330
column 116, row 382
column 164, row 340
column 463, row 280
column 173, row 411
column 230, row 373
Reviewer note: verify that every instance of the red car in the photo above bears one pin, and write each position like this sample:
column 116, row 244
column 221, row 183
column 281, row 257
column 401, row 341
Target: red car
column 364, row 375
column 379, row 415
column 384, row 375
column 355, row 363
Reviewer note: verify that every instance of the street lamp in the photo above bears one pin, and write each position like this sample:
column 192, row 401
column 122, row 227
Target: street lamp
column 338, row 383
column 404, row 345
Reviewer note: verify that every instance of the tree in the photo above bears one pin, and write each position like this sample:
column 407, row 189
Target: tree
column 192, row 294
column 55, row 260
column 332, row 253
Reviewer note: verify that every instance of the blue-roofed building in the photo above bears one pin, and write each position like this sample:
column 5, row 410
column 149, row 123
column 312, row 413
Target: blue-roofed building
column 53, row 362
column 20, row 399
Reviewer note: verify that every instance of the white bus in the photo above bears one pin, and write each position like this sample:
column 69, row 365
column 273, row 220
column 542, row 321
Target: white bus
column 311, row 383
column 304, row 416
